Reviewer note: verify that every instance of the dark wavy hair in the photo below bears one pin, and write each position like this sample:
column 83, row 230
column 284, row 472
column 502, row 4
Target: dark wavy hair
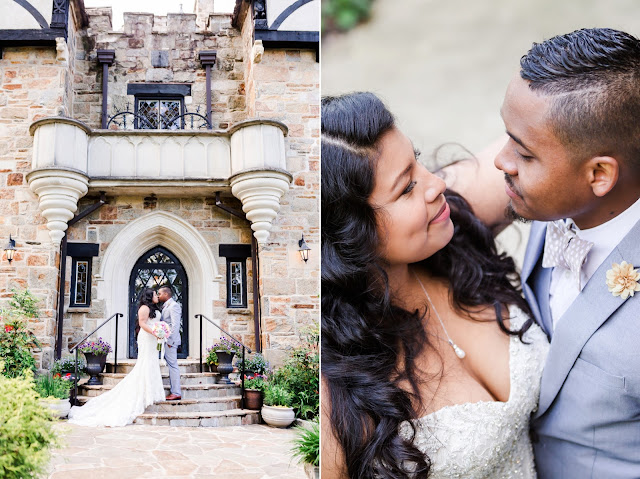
column 593, row 76
column 146, row 299
column 361, row 322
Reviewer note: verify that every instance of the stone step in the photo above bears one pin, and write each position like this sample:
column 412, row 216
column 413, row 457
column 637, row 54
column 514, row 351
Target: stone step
column 232, row 417
column 186, row 379
column 188, row 405
column 197, row 391
column 126, row 365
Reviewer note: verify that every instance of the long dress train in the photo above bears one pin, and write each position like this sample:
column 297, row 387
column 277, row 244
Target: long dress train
column 131, row 396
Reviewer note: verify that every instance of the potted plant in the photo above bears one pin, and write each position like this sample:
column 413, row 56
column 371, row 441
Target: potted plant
column 277, row 410
column 225, row 348
column 66, row 367
column 255, row 364
column 54, row 391
column 253, row 387
column 212, row 360
column 96, row 354
column 307, row 448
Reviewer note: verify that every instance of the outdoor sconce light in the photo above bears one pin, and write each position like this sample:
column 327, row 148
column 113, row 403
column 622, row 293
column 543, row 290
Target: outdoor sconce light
column 10, row 249
column 303, row 249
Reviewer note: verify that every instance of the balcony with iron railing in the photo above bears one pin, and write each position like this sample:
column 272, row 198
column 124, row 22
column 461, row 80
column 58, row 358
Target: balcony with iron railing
column 175, row 154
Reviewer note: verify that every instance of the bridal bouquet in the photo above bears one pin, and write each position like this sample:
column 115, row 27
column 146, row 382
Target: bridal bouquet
column 161, row 330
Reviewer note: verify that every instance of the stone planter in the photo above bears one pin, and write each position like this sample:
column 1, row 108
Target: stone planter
column 95, row 366
column 224, row 366
column 278, row 416
column 59, row 407
column 312, row 472
column 252, row 399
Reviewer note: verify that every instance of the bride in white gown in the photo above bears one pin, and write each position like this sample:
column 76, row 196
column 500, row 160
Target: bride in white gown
column 431, row 364
column 139, row 389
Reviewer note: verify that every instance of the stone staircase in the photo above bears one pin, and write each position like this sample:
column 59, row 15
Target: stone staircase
column 204, row 402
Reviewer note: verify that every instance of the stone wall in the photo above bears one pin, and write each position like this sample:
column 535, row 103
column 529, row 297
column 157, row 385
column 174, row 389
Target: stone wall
column 284, row 85
column 164, row 50
column 36, row 82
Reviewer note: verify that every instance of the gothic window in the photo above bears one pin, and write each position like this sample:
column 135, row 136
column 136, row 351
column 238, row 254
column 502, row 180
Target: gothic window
column 80, row 282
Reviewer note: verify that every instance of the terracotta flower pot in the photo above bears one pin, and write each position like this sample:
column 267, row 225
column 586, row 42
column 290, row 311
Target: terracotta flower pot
column 252, row 399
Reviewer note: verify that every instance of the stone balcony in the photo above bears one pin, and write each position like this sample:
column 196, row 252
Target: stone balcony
column 71, row 160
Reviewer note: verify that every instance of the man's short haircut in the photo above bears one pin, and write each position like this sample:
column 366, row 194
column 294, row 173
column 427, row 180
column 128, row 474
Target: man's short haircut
column 168, row 289
column 593, row 76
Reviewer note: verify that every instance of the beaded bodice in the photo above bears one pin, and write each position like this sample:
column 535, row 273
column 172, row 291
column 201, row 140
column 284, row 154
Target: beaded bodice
column 488, row 439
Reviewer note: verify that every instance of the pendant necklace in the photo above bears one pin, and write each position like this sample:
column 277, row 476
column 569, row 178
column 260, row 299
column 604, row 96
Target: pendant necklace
column 456, row 349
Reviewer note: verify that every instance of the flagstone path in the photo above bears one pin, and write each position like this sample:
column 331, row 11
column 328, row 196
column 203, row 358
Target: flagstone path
column 139, row 451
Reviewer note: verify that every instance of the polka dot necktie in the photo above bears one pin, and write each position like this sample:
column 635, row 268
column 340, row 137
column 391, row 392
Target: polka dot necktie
column 563, row 247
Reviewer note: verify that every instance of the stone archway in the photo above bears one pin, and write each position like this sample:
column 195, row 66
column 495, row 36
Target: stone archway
column 190, row 248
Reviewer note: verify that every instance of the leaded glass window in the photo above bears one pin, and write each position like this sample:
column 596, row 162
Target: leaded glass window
column 236, row 283
column 80, row 282
column 158, row 114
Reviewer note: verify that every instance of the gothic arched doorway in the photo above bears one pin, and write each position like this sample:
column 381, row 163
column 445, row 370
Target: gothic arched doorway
column 158, row 267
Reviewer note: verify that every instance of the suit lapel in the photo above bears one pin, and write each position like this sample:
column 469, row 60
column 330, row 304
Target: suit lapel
column 534, row 249
column 535, row 281
column 593, row 306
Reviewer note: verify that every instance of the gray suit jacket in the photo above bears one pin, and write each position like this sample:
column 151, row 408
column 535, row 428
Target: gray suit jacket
column 172, row 315
column 588, row 421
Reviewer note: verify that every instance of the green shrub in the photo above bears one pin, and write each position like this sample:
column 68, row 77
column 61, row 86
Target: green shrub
column 212, row 357
column 277, row 395
column 16, row 341
column 52, row 385
column 307, row 444
column 301, row 374
column 26, row 429
column 344, row 14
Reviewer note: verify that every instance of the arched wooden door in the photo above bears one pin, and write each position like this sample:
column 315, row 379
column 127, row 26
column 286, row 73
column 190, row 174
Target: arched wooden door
column 158, row 267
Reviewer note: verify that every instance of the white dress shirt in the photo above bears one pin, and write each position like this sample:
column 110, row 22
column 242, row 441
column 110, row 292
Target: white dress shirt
column 605, row 237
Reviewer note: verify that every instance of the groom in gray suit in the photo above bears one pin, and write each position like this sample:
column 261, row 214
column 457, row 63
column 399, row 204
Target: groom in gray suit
column 572, row 163
column 172, row 315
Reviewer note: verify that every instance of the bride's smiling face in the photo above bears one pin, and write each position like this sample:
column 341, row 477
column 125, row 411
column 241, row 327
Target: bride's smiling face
column 412, row 213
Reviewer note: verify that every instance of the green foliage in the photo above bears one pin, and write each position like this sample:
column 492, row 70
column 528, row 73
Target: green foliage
column 212, row 357
column 256, row 382
column 307, row 444
column 277, row 395
column 24, row 303
column 49, row 385
column 301, row 375
column 26, row 432
column 255, row 363
column 16, row 341
column 67, row 365
column 344, row 14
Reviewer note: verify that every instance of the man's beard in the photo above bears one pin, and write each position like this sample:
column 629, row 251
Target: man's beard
column 510, row 214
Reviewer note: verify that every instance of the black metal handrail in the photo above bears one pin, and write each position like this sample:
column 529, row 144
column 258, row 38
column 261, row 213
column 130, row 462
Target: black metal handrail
column 75, row 348
column 202, row 316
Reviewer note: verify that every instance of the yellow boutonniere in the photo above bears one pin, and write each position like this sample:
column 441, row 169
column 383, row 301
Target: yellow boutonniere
column 622, row 280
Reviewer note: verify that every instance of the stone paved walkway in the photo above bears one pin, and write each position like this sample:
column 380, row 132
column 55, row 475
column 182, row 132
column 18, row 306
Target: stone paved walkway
column 241, row 452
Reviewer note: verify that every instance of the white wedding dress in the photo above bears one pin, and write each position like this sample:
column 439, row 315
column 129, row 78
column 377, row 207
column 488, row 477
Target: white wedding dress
column 488, row 439
column 131, row 396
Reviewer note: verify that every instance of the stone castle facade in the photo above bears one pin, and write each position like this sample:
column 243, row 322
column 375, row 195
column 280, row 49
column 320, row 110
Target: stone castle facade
column 212, row 197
